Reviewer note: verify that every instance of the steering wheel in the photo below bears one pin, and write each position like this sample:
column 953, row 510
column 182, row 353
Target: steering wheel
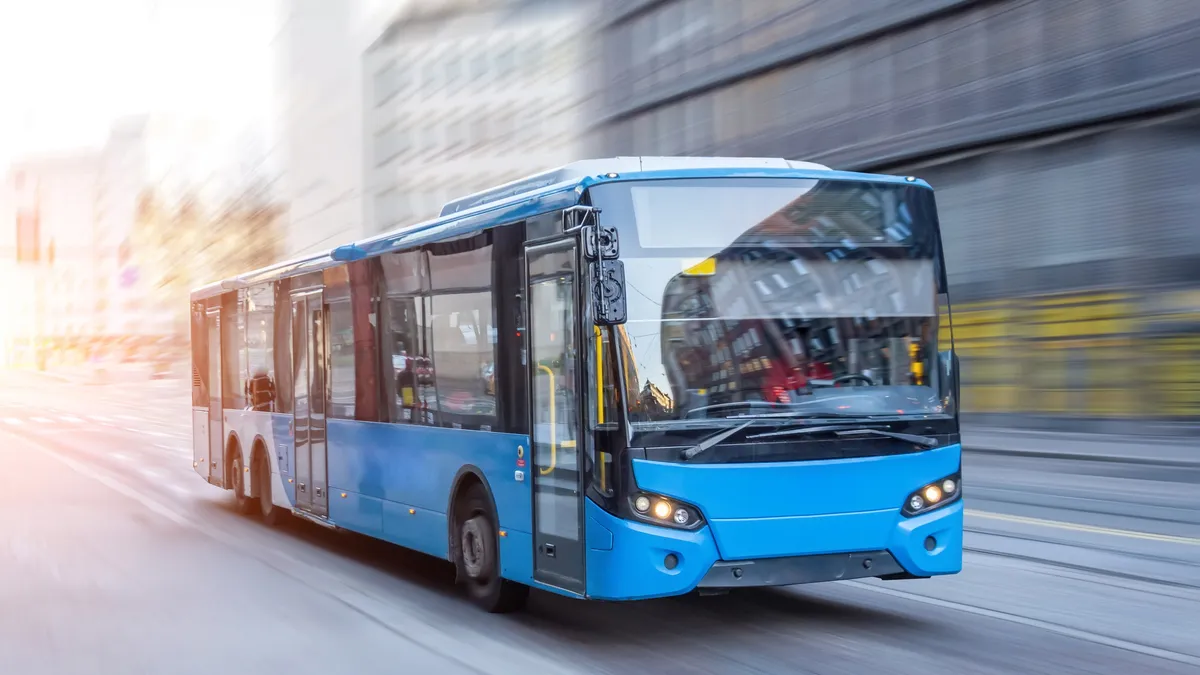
column 853, row 377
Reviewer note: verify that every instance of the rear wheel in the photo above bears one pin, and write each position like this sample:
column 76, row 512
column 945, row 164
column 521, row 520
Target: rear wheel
column 237, row 481
column 478, row 556
column 262, row 474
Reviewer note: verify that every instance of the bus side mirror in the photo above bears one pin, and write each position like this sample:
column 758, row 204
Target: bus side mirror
column 956, row 380
column 953, row 375
column 608, row 292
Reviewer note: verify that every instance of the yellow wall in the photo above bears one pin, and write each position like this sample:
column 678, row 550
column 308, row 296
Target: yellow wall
column 1083, row 354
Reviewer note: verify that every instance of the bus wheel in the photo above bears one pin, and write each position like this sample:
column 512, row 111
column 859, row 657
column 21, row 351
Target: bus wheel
column 479, row 556
column 237, row 481
column 262, row 474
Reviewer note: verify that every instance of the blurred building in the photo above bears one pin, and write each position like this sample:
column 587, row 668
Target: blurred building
column 122, row 175
column 52, row 300
column 318, row 116
column 84, row 259
column 1062, row 138
column 464, row 96
column 184, row 243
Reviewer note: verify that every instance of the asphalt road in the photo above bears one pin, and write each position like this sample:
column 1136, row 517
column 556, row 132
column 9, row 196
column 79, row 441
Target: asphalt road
column 116, row 558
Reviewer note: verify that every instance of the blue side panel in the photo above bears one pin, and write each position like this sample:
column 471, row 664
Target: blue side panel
column 516, row 557
column 415, row 466
column 357, row 512
column 632, row 568
column 285, row 450
column 416, row 528
column 798, row 508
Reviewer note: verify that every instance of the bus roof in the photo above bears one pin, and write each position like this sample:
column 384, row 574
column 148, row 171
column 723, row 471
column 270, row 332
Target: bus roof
column 529, row 196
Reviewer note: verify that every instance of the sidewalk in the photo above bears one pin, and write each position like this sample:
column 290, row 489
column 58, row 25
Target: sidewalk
column 1096, row 447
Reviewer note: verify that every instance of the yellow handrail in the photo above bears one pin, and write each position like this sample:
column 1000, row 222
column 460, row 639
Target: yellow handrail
column 600, row 403
column 599, row 378
column 553, row 426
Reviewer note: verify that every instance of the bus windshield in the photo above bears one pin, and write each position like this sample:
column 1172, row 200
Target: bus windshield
column 756, row 295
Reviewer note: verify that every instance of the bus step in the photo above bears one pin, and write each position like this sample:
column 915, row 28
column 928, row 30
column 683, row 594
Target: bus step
column 305, row 515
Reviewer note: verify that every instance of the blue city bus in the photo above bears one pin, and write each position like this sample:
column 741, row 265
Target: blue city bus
column 622, row 379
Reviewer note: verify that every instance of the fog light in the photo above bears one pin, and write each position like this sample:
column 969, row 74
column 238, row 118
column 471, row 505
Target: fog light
column 682, row 516
column 930, row 543
column 933, row 494
column 662, row 510
column 949, row 486
column 671, row 561
column 916, row 503
column 642, row 504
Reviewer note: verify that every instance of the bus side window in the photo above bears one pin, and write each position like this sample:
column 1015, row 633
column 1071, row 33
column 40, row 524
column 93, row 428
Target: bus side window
column 260, row 348
column 199, row 357
column 281, row 341
column 407, row 377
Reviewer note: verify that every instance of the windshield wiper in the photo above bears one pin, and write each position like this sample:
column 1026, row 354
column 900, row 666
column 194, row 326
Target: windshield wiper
column 842, row 430
column 710, row 441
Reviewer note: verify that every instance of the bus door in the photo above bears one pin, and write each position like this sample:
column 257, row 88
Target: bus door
column 310, row 369
column 551, row 273
column 214, row 470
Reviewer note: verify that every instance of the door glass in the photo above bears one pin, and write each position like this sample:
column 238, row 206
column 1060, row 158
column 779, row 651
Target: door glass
column 556, row 470
column 318, row 395
column 216, row 437
column 300, row 405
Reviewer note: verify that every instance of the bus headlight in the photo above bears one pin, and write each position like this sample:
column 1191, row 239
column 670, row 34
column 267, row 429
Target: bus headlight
column 665, row 511
column 933, row 495
column 682, row 516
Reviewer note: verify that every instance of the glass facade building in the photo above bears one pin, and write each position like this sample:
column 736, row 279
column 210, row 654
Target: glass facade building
column 1062, row 139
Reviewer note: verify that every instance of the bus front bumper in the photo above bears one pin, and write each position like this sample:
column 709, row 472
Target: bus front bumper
column 629, row 560
column 801, row 569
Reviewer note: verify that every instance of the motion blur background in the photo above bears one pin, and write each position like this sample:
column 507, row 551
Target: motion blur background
column 152, row 146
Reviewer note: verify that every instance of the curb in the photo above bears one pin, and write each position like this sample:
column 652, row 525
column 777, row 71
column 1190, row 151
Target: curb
column 1083, row 456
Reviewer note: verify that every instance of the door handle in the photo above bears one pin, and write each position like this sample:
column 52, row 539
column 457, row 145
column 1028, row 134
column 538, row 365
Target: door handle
column 549, row 550
column 302, row 487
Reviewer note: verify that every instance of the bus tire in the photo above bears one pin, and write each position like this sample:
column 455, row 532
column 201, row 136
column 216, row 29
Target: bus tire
column 478, row 556
column 262, row 474
column 237, row 480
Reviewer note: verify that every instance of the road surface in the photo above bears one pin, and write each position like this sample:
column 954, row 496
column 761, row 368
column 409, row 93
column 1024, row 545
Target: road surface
column 116, row 559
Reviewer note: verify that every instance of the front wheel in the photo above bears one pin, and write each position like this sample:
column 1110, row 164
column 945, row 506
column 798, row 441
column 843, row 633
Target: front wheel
column 478, row 557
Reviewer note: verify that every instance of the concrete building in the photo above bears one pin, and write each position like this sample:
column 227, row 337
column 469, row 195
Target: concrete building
column 1063, row 140
column 317, row 142
column 463, row 96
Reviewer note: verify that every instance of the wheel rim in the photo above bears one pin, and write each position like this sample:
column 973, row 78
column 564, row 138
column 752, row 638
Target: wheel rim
column 474, row 552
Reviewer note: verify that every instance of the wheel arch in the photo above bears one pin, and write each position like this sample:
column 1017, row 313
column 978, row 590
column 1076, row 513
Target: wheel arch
column 233, row 444
column 467, row 475
column 258, row 449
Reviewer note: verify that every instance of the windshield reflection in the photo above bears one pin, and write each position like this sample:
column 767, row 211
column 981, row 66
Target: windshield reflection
column 821, row 295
